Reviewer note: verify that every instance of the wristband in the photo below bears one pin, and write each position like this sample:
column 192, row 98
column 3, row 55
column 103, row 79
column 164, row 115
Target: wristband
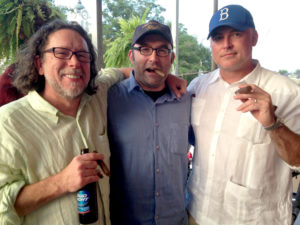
column 276, row 125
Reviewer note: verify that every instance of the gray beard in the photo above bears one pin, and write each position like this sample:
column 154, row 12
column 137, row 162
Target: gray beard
column 72, row 94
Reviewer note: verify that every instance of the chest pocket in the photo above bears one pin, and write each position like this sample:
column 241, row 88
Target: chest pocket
column 178, row 142
column 102, row 145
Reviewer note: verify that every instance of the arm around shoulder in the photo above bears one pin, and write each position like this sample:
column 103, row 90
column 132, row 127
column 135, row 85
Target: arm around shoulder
column 109, row 76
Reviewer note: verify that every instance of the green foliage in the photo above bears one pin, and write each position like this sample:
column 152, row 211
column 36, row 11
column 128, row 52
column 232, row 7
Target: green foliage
column 283, row 72
column 114, row 10
column 19, row 19
column 193, row 57
column 117, row 53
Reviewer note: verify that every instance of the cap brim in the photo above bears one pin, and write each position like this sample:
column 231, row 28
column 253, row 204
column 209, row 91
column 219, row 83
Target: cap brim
column 153, row 32
column 233, row 25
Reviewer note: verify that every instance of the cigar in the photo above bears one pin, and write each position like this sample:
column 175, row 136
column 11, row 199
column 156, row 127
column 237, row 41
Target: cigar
column 99, row 174
column 159, row 73
column 103, row 167
column 244, row 90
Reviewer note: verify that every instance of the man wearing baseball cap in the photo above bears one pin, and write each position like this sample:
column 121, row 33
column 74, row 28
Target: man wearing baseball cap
column 148, row 132
column 246, row 124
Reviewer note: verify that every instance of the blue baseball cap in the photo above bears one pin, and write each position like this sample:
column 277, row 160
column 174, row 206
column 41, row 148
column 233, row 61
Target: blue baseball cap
column 234, row 16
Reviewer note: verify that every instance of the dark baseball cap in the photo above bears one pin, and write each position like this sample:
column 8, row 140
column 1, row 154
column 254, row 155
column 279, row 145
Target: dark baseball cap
column 152, row 27
column 234, row 16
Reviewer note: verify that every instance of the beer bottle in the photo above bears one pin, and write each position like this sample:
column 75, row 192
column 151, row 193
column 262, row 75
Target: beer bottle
column 87, row 201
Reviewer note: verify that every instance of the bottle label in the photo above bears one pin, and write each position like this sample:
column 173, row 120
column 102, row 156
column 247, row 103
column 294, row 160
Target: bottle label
column 83, row 198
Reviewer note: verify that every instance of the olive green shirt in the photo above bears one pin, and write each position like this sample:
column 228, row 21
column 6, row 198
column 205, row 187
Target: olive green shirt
column 38, row 141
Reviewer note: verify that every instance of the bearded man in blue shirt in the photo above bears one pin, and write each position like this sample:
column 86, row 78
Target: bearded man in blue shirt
column 148, row 130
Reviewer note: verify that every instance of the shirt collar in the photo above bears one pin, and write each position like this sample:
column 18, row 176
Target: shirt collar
column 40, row 104
column 251, row 78
column 133, row 85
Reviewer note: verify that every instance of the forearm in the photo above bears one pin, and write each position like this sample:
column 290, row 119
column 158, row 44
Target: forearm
column 287, row 144
column 80, row 172
column 110, row 76
column 33, row 196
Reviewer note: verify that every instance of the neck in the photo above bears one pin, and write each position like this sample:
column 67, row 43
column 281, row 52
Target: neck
column 66, row 106
column 231, row 76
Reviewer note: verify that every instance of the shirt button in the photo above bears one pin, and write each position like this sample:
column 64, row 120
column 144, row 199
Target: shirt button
column 157, row 147
column 156, row 124
column 156, row 217
column 157, row 170
column 157, row 194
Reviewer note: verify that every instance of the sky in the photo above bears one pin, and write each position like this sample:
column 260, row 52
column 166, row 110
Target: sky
column 277, row 23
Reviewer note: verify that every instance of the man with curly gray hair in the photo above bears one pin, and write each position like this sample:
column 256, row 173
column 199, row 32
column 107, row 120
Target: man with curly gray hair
column 41, row 135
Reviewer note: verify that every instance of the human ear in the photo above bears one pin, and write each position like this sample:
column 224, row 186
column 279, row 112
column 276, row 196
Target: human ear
column 254, row 37
column 172, row 58
column 131, row 56
column 38, row 64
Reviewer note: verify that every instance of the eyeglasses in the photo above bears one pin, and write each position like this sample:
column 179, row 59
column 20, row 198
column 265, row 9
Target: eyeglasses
column 147, row 51
column 64, row 53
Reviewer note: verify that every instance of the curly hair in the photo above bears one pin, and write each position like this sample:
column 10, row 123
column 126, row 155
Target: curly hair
column 26, row 77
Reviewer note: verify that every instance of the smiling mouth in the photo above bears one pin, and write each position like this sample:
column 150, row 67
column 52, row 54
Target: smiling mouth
column 72, row 76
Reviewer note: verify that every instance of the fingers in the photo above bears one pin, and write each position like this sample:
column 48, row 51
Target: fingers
column 252, row 94
column 182, row 88
column 92, row 160
column 81, row 170
column 92, row 156
column 251, row 104
column 177, row 85
column 258, row 102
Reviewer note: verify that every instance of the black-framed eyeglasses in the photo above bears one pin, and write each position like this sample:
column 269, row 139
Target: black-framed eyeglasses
column 147, row 51
column 64, row 53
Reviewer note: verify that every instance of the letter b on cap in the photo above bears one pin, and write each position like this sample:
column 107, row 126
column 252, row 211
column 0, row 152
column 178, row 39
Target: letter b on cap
column 224, row 14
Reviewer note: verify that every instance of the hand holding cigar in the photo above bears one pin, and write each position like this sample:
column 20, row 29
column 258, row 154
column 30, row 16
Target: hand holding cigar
column 103, row 167
column 244, row 90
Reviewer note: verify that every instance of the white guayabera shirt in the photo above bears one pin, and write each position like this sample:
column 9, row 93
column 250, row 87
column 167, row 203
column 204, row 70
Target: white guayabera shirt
column 238, row 178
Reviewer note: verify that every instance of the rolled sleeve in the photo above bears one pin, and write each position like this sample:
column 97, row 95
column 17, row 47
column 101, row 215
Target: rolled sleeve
column 11, row 182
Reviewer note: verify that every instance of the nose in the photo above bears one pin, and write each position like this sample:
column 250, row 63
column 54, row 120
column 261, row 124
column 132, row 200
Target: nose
column 227, row 42
column 153, row 57
column 74, row 62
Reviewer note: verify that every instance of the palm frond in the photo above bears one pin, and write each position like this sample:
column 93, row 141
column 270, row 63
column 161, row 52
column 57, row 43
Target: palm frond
column 117, row 53
column 19, row 19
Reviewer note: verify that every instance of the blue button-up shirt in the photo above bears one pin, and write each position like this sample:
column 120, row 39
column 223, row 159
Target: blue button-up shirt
column 149, row 144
